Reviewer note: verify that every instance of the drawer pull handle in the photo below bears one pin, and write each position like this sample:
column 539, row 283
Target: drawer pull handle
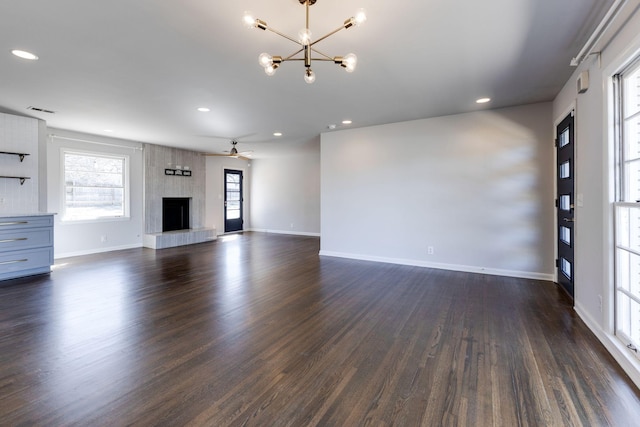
column 19, row 239
column 13, row 223
column 13, row 262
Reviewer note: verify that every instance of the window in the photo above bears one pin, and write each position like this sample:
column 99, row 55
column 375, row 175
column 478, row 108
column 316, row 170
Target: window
column 95, row 186
column 627, row 209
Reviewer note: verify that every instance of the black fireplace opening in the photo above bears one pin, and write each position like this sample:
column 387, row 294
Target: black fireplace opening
column 175, row 213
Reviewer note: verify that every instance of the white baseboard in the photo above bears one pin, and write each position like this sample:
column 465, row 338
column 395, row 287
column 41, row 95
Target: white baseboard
column 441, row 266
column 291, row 233
column 97, row 251
column 627, row 361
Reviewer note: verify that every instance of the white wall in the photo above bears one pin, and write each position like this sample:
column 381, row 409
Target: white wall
column 214, row 188
column 477, row 187
column 286, row 191
column 19, row 135
column 78, row 238
column 594, row 180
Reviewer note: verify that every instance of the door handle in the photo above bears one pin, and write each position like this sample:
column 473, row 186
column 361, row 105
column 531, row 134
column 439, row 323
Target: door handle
column 568, row 219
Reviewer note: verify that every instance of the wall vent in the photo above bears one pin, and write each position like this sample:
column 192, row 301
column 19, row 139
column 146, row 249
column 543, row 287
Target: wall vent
column 41, row 110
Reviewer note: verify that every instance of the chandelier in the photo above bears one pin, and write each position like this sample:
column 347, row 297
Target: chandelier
column 307, row 45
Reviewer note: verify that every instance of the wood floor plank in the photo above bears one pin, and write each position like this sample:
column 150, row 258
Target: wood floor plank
column 257, row 329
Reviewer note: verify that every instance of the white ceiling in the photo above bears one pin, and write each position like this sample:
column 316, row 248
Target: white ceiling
column 142, row 67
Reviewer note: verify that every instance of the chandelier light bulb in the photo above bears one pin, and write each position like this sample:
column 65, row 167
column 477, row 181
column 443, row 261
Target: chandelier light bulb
column 349, row 62
column 265, row 60
column 360, row 17
column 304, row 36
column 309, row 76
column 270, row 70
column 249, row 20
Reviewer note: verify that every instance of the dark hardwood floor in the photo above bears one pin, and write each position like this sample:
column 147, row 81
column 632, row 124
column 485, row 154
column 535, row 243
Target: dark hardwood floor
column 257, row 329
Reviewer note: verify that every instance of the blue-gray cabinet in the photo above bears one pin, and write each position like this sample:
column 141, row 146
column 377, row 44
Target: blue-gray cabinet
column 26, row 245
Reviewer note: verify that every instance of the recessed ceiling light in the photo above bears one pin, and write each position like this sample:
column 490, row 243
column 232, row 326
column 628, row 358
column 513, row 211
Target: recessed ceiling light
column 24, row 54
column 277, row 134
column 109, row 130
column 204, row 109
column 482, row 100
column 347, row 122
column 331, row 127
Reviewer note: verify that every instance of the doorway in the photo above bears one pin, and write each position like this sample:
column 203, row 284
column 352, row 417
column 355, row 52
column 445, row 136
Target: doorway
column 233, row 198
column 565, row 203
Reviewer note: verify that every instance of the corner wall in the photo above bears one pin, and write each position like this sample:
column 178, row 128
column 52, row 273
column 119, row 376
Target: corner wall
column 286, row 191
column 477, row 188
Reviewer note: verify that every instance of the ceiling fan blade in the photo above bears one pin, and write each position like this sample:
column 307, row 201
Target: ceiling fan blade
column 229, row 138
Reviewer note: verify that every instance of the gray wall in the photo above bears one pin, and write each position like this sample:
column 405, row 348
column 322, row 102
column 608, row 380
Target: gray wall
column 286, row 191
column 594, row 267
column 85, row 237
column 476, row 187
column 215, row 166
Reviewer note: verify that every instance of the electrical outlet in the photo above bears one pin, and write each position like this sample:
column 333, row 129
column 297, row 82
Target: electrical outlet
column 292, row 226
column 103, row 239
column 430, row 250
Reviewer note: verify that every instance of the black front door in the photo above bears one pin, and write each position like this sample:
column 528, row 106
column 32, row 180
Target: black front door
column 565, row 203
column 232, row 200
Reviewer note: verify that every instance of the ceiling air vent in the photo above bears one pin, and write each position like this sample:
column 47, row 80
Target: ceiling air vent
column 41, row 110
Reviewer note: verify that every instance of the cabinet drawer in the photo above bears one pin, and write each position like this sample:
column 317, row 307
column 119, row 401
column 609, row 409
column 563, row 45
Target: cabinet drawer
column 10, row 223
column 27, row 261
column 17, row 239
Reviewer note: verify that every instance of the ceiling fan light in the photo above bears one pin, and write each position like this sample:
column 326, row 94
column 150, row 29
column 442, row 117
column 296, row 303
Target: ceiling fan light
column 309, row 76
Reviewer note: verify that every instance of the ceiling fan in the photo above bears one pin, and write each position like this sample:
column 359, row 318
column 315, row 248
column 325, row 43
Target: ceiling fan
column 233, row 152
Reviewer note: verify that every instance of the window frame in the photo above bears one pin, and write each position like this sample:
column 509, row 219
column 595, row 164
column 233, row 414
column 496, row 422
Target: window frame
column 621, row 202
column 126, row 189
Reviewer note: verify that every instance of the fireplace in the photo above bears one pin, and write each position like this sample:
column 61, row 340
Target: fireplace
column 175, row 213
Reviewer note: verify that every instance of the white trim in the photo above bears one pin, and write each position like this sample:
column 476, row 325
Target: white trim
column 52, row 135
column 629, row 364
column 292, row 233
column 441, row 266
column 97, row 251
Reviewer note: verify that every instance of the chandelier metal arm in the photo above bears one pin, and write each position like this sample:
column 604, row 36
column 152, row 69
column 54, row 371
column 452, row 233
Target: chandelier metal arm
column 282, row 35
column 328, row 35
column 328, row 58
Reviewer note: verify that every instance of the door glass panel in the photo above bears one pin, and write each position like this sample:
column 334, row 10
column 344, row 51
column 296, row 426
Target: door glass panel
column 563, row 138
column 565, row 235
column 565, row 202
column 565, row 267
column 565, row 170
